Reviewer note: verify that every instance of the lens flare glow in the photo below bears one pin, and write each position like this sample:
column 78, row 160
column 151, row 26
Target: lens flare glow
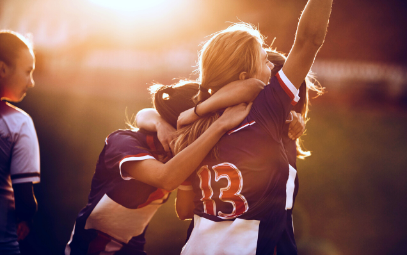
column 128, row 5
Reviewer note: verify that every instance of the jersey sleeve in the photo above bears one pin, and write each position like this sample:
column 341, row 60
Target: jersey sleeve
column 121, row 148
column 25, row 158
column 274, row 103
column 186, row 185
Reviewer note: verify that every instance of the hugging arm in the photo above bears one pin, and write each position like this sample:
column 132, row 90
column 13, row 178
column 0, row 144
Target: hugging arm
column 150, row 120
column 309, row 38
column 240, row 91
column 184, row 204
column 170, row 175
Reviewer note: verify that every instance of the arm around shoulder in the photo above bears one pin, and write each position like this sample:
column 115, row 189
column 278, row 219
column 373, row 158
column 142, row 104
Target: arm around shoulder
column 170, row 175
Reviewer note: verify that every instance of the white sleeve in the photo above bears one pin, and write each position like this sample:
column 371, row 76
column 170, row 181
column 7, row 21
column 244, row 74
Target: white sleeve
column 25, row 158
column 186, row 185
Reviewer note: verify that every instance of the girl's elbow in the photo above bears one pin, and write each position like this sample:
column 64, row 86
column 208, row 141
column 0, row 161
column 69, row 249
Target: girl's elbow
column 168, row 184
column 318, row 40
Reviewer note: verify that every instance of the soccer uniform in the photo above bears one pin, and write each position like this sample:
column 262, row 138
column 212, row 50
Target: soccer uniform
column 286, row 244
column 242, row 197
column 119, row 208
column 19, row 163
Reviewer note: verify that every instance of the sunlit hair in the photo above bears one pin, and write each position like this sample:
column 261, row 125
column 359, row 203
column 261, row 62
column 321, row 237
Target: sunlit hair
column 190, row 133
column 222, row 58
column 278, row 59
column 11, row 43
column 225, row 55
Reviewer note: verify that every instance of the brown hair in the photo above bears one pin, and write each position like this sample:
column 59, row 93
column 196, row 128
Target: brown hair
column 11, row 43
column 171, row 100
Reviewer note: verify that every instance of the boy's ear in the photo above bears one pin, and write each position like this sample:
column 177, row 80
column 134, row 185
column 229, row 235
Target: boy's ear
column 4, row 69
column 243, row 76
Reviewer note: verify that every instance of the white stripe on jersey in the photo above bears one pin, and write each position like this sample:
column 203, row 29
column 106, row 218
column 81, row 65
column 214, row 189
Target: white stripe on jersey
column 68, row 247
column 33, row 179
column 111, row 248
column 118, row 221
column 185, row 187
column 289, row 85
column 290, row 186
column 241, row 127
column 224, row 237
column 126, row 178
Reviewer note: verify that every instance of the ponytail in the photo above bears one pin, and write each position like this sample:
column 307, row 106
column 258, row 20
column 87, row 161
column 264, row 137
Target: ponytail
column 170, row 100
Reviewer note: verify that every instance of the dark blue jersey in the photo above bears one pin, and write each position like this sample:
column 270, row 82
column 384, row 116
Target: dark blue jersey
column 242, row 197
column 119, row 208
column 286, row 244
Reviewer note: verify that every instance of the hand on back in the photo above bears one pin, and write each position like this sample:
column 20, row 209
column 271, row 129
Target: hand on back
column 234, row 115
column 297, row 126
column 165, row 134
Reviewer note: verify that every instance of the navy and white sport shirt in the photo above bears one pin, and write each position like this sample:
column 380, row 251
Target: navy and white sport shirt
column 242, row 197
column 119, row 208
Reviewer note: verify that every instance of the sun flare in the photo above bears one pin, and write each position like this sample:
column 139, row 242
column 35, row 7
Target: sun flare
column 128, row 5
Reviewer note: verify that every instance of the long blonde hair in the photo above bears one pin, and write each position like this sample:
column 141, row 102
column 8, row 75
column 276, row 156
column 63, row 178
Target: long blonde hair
column 221, row 60
column 228, row 53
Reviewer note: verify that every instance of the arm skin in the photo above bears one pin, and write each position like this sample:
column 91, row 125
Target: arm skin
column 184, row 204
column 309, row 38
column 150, row 120
column 297, row 126
column 240, row 91
column 26, row 206
column 236, row 92
column 170, row 175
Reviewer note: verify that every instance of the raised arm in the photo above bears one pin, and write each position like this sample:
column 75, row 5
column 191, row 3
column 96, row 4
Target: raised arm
column 170, row 175
column 236, row 92
column 309, row 38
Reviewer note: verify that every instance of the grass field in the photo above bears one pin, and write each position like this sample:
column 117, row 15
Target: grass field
column 352, row 197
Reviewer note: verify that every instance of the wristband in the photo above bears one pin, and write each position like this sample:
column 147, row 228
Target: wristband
column 195, row 109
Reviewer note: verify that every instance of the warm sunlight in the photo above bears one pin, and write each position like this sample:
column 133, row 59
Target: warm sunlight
column 128, row 5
